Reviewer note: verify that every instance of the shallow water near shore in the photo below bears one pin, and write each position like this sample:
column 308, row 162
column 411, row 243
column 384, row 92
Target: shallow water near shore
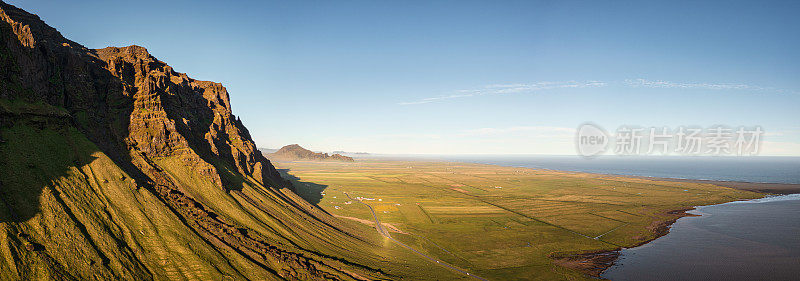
column 744, row 240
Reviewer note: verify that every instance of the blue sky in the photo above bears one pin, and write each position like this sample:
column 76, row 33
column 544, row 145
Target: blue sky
column 468, row 76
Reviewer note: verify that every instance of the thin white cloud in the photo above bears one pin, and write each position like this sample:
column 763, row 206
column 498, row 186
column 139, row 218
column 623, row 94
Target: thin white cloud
column 678, row 85
column 502, row 89
column 645, row 83
column 434, row 99
column 521, row 88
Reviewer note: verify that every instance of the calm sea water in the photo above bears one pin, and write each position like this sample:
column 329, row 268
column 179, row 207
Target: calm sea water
column 747, row 169
column 751, row 240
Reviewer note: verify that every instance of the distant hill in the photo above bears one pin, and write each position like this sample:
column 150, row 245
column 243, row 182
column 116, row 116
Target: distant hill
column 295, row 152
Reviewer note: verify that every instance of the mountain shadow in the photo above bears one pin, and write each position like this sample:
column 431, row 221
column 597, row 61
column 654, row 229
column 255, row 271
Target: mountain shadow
column 309, row 191
column 112, row 164
column 36, row 153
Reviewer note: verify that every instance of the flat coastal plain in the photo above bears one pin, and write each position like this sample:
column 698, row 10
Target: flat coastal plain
column 504, row 223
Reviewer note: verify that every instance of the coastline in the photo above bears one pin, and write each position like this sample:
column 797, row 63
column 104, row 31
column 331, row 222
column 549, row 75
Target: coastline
column 745, row 227
column 766, row 188
column 595, row 263
column 758, row 187
column 599, row 260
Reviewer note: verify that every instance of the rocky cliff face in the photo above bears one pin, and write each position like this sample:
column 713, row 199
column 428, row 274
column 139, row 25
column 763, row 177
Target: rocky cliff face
column 142, row 102
column 295, row 152
column 173, row 114
column 140, row 172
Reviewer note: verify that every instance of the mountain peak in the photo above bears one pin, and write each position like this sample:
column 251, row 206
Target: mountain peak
column 132, row 50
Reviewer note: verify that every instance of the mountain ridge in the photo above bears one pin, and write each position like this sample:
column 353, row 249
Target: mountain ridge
column 141, row 172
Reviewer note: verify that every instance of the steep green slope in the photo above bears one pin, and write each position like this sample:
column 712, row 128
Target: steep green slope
column 76, row 214
column 114, row 166
column 61, row 195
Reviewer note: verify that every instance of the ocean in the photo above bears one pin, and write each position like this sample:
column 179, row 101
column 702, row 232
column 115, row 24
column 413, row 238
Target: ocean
column 759, row 169
column 745, row 240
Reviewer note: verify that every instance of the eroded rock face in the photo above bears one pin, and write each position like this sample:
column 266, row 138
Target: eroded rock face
column 124, row 98
column 137, row 110
column 177, row 115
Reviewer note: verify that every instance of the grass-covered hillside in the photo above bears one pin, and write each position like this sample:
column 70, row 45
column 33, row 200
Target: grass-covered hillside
column 114, row 166
column 69, row 211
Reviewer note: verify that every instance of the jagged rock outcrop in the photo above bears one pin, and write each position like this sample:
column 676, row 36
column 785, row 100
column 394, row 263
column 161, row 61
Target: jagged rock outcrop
column 295, row 152
column 176, row 115
column 165, row 112
column 115, row 166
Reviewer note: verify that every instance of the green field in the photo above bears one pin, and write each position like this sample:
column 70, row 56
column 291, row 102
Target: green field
column 502, row 223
